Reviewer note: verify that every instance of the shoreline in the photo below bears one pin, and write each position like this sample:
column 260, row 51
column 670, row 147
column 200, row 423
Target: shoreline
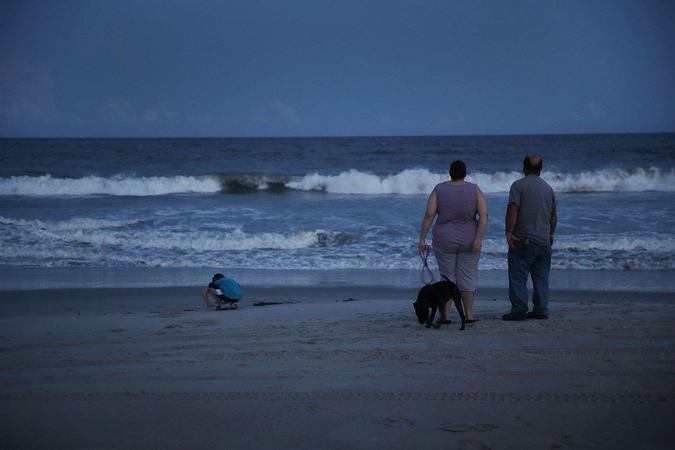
column 181, row 298
column 30, row 278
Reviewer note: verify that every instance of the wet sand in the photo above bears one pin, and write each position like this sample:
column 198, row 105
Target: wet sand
column 332, row 368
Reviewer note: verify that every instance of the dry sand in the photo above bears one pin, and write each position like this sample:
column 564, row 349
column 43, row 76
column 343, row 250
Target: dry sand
column 332, row 368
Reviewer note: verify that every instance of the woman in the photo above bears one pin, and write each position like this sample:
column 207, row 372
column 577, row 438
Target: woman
column 457, row 234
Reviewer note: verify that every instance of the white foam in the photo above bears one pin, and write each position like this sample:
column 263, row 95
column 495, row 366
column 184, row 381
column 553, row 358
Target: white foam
column 608, row 244
column 118, row 185
column 110, row 243
column 232, row 241
column 653, row 244
column 421, row 181
column 114, row 233
column 614, row 180
column 351, row 182
column 412, row 181
column 72, row 224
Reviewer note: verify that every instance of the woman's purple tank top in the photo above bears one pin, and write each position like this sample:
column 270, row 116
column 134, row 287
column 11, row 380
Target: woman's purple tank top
column 457, row 210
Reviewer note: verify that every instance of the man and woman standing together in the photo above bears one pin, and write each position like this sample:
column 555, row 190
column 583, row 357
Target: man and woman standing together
column 458, row 236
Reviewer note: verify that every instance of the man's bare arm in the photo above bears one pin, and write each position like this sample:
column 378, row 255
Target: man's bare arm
column 510, row 223
column 554, row 223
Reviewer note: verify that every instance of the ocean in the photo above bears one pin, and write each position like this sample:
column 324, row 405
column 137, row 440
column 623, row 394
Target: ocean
column 138, row 212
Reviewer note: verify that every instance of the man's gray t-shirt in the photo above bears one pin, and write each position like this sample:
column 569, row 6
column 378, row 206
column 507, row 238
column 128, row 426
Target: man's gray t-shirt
column 535, row 201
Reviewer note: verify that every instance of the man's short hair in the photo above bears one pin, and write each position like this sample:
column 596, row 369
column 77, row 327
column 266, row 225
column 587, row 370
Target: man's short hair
column 457, row 170
column 530, row 168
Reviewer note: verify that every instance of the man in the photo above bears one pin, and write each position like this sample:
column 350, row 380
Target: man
column 530, row 224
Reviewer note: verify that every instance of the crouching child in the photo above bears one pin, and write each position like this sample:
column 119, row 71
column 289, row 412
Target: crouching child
column 224, row 291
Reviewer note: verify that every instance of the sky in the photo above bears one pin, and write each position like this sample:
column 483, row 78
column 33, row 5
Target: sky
column 208, row 68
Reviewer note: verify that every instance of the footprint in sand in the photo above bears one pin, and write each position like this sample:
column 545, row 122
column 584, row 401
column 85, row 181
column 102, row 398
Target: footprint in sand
column 464, row 427
column 395, row 422
column 569, row 441
column 469, row 444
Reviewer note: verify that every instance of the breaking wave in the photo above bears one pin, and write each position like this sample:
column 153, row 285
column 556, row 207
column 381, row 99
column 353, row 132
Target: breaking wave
column 421, row 181
column 351, row 182
column 91, row 232
column 119, row 243
column 46, row 185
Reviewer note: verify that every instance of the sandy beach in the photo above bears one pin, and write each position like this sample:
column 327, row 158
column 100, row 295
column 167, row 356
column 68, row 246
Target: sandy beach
column 332, row 368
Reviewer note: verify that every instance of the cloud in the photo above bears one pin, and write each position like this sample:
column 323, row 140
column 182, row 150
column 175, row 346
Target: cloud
column 25, row 92
column 258, row 115
column 597, row 112
column 286, row 112
column 119, row 110
column 452, row 123
column 162, row 115
column 122, row 110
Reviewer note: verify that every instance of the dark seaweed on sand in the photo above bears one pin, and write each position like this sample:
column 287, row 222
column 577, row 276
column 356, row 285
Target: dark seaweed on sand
column 272, row 303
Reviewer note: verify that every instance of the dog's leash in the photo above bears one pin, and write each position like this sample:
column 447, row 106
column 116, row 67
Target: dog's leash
column 424, row 254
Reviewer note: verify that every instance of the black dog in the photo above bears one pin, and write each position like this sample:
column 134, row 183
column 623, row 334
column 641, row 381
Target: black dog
column 435, row 296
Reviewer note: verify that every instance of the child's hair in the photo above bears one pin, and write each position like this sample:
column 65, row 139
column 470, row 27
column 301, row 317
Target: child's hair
column 217, row 276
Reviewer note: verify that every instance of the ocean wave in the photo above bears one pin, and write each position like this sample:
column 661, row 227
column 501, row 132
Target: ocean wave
column 110, row 233
column 611, row 245
column 351, row 182
column 92, row 256
column 605, row 244
column 614, row 180
column 66, row 225
column 410, row 182
column 120, row 243
column 118, row 185
column 421, row 181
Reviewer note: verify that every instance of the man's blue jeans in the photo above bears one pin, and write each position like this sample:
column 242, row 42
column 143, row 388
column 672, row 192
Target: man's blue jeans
column 534, row 260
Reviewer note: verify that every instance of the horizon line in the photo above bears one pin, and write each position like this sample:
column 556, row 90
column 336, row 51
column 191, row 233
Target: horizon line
column 346, row 136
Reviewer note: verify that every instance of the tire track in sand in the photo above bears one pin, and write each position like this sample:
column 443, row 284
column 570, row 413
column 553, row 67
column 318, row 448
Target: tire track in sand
column 42, row 396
